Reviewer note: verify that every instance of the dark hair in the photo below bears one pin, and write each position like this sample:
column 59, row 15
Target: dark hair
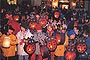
column 10, row 27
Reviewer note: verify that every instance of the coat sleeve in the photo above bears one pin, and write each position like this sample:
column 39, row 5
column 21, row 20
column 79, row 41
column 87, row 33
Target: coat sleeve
column 14, row 40
column 1, row 40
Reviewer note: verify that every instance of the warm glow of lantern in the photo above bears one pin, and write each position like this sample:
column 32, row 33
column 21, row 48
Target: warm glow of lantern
column 73, row 4
column 70, row 55
column 42, row 21
column 16, row 18
column 81, row 48
column 55, row 3
column 56, row 14
column 12, row 2
column 50, row 46
column 58, row 40
column 65, row 6
column 32, row 25
column 29, row 49
column 6, row 42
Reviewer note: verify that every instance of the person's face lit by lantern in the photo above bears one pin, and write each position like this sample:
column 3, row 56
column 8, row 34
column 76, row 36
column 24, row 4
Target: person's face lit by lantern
column 63, row 30
column 23, row 29
column 72, row 36
column 76, row 30
column 10, row 31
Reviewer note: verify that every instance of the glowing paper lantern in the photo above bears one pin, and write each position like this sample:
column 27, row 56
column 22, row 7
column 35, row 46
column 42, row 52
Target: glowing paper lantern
column 16, row 18
column 30, row 48
column 56, row 14
column 73, row 4
column 52, row 45
column 42, row 22
column 58, row 38
column 81, row 47
column 6, row 42
column 70, row 55
column 32, row 25
column 12, row 2
column 55, row 3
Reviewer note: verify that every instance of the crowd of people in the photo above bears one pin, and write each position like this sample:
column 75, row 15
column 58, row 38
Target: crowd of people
column 66, row 26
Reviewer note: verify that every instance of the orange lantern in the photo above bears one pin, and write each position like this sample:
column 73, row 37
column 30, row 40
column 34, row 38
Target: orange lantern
column 30, row 48
column 73, row 4
column 81, row 47
column 42, row 22
column 55, row 3
column 16, row 18
column 52, row 44
column 6, row 42
column 32, row 25
column 56, row 14
column 70, row 55
column 58, row 38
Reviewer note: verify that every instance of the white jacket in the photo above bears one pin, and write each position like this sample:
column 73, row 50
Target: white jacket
column 21, row 35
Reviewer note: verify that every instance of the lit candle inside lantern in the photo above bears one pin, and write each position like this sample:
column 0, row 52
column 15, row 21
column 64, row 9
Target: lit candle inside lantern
column 29, row 49
column 6, row 42
column 58, row 40
column 50, row 46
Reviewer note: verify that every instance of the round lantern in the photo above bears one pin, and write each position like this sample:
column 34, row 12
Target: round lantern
column 70, row 55
column 42, row 21
column 81, row 47
column 52, row 44
column 58, row 38
column 16, row 18
column 32, row 25
column 6, row 42
column 56, row 14
column 30, row 48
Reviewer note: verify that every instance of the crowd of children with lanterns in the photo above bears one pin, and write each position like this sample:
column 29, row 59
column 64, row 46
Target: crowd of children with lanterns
column 37, row 34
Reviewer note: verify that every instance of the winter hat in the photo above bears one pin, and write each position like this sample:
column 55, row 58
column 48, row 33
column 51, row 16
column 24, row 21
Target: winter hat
column 24, row 24
column 70, row 32
column 38, row 27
